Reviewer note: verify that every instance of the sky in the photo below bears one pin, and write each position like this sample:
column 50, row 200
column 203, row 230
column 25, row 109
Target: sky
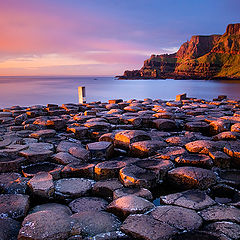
column 101, row 37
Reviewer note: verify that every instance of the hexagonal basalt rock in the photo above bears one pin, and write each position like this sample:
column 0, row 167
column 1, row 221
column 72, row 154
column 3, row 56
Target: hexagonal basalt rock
column 123, row 139
column 165, row 124
column 171, row 153
column 139, row 192
column 74, row 170
column 45, row 225
column 43, row 133
column 192, row 177
column 91, row 223
column 9, row 229
column 130, row 204
column 98, row 126
column 146, row 227
column 233, row 150
column 221, row 213
column 13, row 205
column 13, row 183
column 55, row 207
column 235, row 127
column 230, row 229
column 51, row 122
column 42, row 185
column 225, row 136
column 135, row 176
column 64, row 146
column 220, row 159
column 8, row 164
column 158, row 166
column 80, row 153
column 199, row 160
column 201, row 146
column 179, row 217
column 105, row 188
column 65, row 158
column 200, row 235
column 101, row 150
column 146, row 148
column 37, row 152
column 193, row 199
column 88, row 204
column 197, row 127
column 72, row 187
column 108, row 169
column 33, row 169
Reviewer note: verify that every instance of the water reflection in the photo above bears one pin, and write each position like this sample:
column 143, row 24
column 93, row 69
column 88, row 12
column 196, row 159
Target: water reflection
column 42, row 90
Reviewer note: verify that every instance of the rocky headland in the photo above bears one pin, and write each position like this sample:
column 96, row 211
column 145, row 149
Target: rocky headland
column 203, row 57
column 134, row 169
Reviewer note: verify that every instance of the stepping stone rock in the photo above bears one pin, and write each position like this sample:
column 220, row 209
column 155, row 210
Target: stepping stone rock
column 33, row 169
column 193, row 199
column 192, row 177
column 230, row 177
column 165, row 124
column 123, row 139
column 46, row 133
column 42, row 185
column 65, row 158
column 235, row 127
column 37, row 152
column 130, row 204
column 221, row 213
column 45, row 225
column 9, row 229
column 178, row 217
column 13, row 183
column 101, row 150
column 146, row 148
column 72, row 187
column 80, row 153
column 117, row 235
column 64, row 146
column 225, row 136
column 232, row 230
column 74, row 170
column 145, row 227
column 199, row 160
column 233, row 150
column 135, row 176
column 202, row 127
column 79, row 132
column 220, row 159
column 158, row 166
column 108, row 169
column 139, row 192
column 13, row 205
column 171, row 153
column 98, row 126
column 199, row 235
column 9, row 164
column 201, row 146
column 105, row 188
column 88, row 204
column 55, row 207
column 91, row 223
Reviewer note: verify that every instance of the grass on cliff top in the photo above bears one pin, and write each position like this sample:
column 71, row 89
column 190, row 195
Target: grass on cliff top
column 231, row 64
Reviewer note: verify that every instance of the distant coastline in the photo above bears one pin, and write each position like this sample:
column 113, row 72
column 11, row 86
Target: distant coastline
column 213, row 57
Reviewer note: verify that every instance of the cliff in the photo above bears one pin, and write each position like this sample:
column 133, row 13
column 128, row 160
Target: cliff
column 203, row 57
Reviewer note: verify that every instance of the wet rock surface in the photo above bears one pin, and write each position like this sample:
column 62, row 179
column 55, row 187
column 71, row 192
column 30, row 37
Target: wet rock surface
column 134, row 169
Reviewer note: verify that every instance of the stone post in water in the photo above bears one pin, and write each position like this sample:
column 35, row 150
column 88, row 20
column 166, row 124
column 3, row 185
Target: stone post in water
column 81, row 95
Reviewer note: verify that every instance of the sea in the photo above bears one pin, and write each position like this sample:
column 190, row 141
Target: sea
column 39, row 90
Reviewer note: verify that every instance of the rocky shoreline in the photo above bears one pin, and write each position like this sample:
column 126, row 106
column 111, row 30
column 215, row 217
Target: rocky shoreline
column 134, row 169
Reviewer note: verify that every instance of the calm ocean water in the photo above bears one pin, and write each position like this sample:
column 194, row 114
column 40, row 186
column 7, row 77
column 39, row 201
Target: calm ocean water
column 26, row 91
